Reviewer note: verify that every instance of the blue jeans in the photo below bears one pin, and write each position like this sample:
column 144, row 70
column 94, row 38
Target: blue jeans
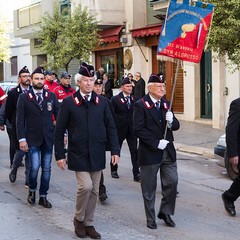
column 18, row 156
column 40, row 156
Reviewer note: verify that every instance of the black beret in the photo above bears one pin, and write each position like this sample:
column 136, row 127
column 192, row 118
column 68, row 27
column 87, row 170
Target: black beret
column 157, row 78
column 86, row 70
column 23, row 70
column 98, row 82
column 38, row 70
column 126, row 80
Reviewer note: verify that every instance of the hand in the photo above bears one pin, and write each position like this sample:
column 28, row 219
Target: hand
column 169, row 117
column 23, row 146
column 162, row 144
column 234, row 160
column 115, row 159
column 61, row 163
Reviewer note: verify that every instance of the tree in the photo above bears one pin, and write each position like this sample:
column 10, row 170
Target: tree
column 224, row 35
column 5, row 42
column 68, row 36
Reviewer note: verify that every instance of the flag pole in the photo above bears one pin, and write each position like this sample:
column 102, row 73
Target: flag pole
column 173, row 91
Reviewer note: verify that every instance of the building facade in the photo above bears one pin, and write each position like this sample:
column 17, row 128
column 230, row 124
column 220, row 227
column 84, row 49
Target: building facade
column 129, row 31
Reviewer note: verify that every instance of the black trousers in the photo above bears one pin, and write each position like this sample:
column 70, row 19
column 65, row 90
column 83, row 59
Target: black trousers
column 169, row 181
column 234, row 191
column 132, row 145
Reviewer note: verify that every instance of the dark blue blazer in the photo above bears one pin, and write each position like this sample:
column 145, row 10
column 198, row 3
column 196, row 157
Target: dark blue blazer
column 11, row 109
column 150, row 130
column 90, row 127
column 34, row 124
column 123, row 115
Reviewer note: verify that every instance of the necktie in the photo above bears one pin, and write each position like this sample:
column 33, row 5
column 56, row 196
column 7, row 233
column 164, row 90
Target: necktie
column 128, row 102
column 86, row 98
column 39, row 100
column 157, row 105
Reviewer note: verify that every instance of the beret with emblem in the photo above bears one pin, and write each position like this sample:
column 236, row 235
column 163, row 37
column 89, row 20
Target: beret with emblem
column 38, row 70
column 126, row 80
column 98, row 82
column 156, row 78
column 23, row 70
column 86, row 70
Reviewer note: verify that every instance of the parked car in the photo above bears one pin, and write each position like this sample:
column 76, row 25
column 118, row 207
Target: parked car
column 220, row 153
column 6, row 86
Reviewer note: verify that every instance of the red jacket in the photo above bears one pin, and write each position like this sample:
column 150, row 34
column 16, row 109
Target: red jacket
column 2, row 96
column 50, row 85
column 62, row 92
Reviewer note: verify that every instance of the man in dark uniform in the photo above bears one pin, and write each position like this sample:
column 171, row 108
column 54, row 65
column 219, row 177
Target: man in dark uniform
column 139, row 86
column 107, row 87
column 233, row 152
column 123, row 109
column 89, row 122
column 35, row 132
column 24, row 80
column 151, row 115
column 98, row 88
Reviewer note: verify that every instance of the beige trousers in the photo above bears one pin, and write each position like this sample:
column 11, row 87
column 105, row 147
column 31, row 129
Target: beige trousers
column 87, row 196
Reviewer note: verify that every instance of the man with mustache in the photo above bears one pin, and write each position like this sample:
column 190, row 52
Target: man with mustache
column 24, row 80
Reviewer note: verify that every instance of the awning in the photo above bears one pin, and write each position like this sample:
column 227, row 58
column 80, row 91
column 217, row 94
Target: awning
column 110, row 34
column 146, row 31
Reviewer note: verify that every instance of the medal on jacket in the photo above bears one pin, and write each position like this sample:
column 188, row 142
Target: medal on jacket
column 49, row 106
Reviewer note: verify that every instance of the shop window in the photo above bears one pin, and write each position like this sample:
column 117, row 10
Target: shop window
column 65, row 7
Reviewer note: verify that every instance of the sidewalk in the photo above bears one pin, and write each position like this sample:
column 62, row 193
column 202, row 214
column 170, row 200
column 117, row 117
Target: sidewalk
column 198, row 138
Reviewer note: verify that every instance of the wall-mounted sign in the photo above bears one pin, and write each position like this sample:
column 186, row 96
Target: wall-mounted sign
column 128, row 59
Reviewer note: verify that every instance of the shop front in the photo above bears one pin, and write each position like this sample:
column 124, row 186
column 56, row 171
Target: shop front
column 109, row 54
column 168, row 68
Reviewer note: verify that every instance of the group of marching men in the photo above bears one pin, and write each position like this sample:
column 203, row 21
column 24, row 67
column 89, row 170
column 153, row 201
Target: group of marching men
column 44, row 114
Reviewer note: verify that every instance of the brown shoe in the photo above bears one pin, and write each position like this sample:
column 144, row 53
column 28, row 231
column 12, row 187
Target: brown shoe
column 79, row 228
column 92, row 233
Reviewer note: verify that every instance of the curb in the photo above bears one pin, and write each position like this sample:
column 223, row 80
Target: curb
column 206, row 152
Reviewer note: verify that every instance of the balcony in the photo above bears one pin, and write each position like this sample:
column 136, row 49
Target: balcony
column 109, row 14
column 26, row 20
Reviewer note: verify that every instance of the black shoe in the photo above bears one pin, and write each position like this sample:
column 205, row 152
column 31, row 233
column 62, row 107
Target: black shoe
column 44, row 202
column 137, row 178
column 151, row 224
column 115, row 174
column 31, row 197
column 13, row 175
column 102, row 197
column 167, row 219
column 229, row 206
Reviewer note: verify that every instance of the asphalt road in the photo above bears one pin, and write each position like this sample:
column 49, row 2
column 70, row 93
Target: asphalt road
column 199, row 210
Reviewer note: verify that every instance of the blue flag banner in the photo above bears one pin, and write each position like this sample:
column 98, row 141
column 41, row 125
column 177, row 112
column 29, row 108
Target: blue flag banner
column 185, row 29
